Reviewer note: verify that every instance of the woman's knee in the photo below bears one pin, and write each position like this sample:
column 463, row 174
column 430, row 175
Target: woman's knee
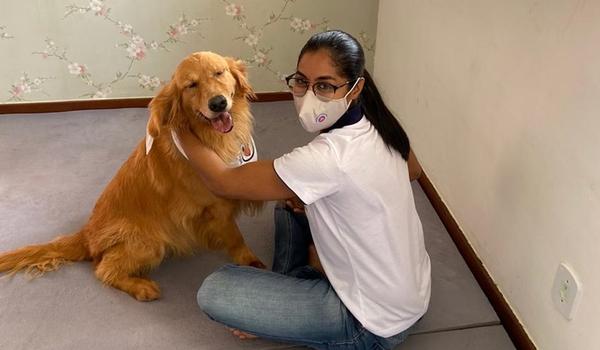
column 210, row 294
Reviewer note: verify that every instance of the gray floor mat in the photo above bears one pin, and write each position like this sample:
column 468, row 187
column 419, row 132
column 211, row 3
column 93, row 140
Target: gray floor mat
column 52, row 169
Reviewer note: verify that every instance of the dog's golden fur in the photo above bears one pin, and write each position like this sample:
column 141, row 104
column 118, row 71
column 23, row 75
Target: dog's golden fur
column 156, row 205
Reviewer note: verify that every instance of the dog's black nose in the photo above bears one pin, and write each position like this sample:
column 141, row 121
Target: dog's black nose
column 217, row 103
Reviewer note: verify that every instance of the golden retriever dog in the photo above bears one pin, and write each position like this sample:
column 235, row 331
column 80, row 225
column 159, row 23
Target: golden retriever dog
column 156, row 206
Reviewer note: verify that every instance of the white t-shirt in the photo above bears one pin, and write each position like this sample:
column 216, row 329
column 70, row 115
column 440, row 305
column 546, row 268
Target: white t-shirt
column 363, row 220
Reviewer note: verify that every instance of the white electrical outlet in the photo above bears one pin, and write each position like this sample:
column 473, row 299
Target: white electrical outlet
column 566, row 291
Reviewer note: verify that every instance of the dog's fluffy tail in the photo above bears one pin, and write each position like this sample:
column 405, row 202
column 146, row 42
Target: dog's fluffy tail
column 38, row 259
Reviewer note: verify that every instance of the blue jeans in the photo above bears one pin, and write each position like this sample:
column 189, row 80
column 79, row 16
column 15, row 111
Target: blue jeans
column 293, row 303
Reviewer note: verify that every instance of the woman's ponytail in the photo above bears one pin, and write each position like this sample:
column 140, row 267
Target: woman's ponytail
column 382, row 119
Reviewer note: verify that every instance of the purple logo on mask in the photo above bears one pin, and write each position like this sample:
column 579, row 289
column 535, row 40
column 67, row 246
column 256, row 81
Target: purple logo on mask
column 321, row 118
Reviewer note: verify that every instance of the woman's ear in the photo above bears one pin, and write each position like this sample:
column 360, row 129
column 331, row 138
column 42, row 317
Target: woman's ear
column 355, row 93
column 163, row 108
column 239, row 72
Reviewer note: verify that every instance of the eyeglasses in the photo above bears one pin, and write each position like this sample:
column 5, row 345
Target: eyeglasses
column 299, row 86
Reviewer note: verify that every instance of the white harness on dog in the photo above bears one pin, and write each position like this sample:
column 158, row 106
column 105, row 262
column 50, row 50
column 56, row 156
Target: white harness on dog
column 247, row 154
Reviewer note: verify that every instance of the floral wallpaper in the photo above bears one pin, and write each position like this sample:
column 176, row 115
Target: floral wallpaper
column 64, row 50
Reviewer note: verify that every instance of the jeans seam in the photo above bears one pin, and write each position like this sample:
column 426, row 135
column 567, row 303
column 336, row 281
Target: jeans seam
column 300, row 341
column 249, row 269
column 352, row 340
column 288, row 250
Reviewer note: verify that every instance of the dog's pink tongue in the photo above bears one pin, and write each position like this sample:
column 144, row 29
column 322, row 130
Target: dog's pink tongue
column 222, row 122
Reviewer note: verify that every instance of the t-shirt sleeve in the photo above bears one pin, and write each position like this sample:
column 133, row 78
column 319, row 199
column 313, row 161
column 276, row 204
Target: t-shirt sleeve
column 311, row 171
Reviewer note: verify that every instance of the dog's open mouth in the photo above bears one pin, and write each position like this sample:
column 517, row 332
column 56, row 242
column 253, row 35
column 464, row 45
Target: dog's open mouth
column 222, row 122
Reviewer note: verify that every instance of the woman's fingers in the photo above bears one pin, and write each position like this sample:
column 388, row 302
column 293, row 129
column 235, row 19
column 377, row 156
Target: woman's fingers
column 295, row 204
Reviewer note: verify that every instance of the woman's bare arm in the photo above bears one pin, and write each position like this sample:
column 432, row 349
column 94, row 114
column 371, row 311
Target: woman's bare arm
column 251, row 181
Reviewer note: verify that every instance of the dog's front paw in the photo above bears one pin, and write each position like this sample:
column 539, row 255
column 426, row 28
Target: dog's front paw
column 145, row 290
column 257, row 264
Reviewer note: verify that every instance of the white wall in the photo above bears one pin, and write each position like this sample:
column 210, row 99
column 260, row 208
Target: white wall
column 502, row 102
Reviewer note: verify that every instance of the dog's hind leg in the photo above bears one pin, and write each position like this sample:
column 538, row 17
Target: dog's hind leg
column 122, row 266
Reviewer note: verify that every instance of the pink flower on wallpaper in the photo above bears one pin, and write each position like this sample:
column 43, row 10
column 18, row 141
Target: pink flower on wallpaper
column 136, row 39
column 173, row 32
column 306, row 25
column 18, row 90
column 77, row 69
column 299, row 25
column 251, row 40
column 182, row 29
column 103, row 92
column 296, row 24
column 136, row 48
column 366, row 42
column 98, row 7
column 234, row 10
column 261, row 58
column 126, row 29
column 176, row 30
column 136, row 51
column 148, row 82
column 26, row 85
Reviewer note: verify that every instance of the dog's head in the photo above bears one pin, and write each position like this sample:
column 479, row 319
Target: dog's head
column 206, row 87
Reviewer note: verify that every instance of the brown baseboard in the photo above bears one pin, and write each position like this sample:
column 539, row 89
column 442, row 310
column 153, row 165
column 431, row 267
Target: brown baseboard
column 141, row 102
column 513, row 327
column 273, row 96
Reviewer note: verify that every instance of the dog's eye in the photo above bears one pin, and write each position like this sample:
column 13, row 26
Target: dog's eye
column 219, row 73
column 193, row 85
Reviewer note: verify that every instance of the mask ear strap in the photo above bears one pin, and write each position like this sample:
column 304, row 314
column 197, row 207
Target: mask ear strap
column 353, row 86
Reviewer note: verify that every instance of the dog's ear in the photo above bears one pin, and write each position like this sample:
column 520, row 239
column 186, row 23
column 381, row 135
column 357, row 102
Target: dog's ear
column 163, row 108
column 239, row 72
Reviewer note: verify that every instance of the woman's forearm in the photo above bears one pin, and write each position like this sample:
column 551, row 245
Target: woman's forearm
column 213, row 171
column 251, row 181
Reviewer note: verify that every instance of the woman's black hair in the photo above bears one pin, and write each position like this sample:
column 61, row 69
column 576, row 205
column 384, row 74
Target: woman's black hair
column 348, row 56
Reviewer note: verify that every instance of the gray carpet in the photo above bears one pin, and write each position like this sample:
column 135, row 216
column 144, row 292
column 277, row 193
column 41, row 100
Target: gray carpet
column 52, row 169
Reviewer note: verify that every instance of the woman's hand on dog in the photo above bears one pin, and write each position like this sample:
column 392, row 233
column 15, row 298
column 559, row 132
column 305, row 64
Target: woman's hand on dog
column 295, row 204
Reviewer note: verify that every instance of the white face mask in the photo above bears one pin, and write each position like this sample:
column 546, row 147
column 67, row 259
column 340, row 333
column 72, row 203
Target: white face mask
column 316, row 115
